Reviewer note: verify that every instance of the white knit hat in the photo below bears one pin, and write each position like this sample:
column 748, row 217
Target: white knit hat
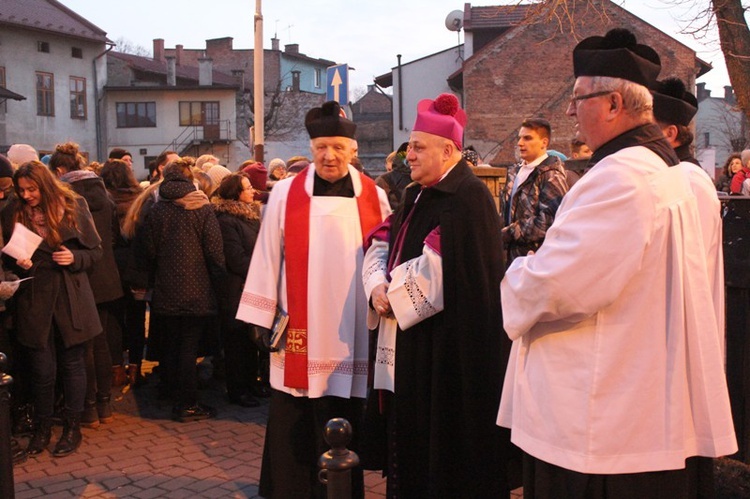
column 217, row 173
column 22, row 153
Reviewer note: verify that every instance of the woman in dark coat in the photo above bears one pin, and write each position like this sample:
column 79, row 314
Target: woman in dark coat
column 181, row 246
column 124, row 189
column 239, row 218
column 56, row 312
column 105, row 350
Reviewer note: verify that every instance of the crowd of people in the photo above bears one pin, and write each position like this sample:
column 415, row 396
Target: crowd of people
column 177, row 245
column 462, row 344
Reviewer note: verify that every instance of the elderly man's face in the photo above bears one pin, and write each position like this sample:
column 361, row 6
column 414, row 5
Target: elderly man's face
column 332, row 156
column 589, row 108
column 427, row 157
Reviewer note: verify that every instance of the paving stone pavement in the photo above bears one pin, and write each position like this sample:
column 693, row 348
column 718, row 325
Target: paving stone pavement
column 144, row 454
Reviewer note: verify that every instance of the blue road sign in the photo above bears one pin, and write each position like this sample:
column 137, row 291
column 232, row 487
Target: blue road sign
column 337, row 84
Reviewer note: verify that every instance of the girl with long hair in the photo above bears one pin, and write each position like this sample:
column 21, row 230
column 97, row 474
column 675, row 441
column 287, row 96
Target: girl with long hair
column 56, row 312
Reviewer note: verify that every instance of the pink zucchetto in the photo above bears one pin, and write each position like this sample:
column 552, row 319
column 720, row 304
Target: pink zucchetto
column 442, row 117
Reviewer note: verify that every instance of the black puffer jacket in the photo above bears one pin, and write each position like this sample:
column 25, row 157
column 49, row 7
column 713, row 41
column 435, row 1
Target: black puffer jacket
column 240, row 224
column 182, row 248
column 103, row 275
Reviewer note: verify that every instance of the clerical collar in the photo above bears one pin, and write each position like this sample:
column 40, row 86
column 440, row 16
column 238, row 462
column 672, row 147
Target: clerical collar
column 649, row 136
column 342, row 187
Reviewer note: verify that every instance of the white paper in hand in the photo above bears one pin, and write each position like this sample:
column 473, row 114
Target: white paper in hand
column 23, row 243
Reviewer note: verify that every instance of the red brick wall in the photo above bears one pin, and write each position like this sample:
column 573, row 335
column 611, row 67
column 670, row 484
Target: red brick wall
column 528, row 72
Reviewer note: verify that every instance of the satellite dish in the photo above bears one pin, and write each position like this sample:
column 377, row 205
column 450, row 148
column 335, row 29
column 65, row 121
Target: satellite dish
column 455, row 20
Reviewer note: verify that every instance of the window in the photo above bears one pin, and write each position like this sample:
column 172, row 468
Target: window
column 136, row 114
column 199, row 113
column 317, row 78
column 4, row 105
column 42, row 47
column 45, row 94
column 77, row 53
column 77, row 98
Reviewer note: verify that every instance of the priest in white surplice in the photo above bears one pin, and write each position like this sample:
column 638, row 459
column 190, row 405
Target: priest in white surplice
column 308, row 263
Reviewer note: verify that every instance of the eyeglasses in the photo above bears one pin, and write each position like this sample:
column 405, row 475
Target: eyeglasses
column 578, row 98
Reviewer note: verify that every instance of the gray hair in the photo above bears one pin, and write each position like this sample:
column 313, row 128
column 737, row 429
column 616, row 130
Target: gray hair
column 637, row 100
column 745, row 157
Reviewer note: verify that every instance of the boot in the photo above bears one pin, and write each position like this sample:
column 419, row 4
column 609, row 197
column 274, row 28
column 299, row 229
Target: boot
column 104, row 408
column 23, row 419
column 40, row 439
column 71, row 436
column 17, row 452
column 90, row 417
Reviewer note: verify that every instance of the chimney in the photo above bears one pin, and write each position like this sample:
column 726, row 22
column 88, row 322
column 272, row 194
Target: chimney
column 274, row 43
column 205, row 71
column 171, row 71
column 178, row 54
column 292, row 48
column 159, row 49
column 702, row 92
column 729, row 95
column 295, row 80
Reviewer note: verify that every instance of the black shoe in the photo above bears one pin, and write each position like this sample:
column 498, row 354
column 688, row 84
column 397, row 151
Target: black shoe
column 40, row 439
column 244, row 400
column 17, row 452
column 71, row 437
column 195, row 412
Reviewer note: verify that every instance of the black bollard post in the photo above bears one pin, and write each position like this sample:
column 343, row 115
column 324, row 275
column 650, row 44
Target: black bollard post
column 336, row 465
column 6, row 457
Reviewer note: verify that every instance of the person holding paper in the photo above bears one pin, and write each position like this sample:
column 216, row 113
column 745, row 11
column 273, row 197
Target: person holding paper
column 56, row 312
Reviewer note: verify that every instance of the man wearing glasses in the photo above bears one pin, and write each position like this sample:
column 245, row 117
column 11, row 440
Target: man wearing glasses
column 615, row 382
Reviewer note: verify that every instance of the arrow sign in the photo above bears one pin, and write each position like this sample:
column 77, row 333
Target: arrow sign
column 337, row 84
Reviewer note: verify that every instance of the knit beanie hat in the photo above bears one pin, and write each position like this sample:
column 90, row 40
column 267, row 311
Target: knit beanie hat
column 258, row 175
column 217, row 173
column 22, row 153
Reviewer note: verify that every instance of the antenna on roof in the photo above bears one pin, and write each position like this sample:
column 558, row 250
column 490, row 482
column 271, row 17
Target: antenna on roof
column 454, row 21
column 276, row 29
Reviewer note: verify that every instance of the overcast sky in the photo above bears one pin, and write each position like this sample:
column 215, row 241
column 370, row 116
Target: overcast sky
column 365, row 35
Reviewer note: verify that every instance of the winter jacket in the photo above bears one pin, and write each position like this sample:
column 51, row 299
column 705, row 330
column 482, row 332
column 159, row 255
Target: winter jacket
column 738, row 179
column 62, row 293
column 180, row 244
column 104, row 276
column 240, row 224
column 533, row 207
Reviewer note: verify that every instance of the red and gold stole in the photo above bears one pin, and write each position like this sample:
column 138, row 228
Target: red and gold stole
column 296, row 254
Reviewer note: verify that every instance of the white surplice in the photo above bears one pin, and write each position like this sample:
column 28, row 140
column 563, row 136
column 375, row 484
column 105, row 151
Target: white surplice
column 415, row 293
column 617, row 362
column 337, row 306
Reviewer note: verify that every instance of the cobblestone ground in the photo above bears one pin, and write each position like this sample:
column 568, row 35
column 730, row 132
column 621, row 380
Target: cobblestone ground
column 144, row 454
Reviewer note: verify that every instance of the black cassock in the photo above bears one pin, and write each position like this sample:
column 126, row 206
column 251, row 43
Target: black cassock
column 436, row 435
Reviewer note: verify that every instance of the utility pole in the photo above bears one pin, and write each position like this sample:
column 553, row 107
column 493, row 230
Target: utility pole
column 258, row 85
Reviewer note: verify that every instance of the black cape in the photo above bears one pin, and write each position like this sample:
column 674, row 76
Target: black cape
column 449, row 368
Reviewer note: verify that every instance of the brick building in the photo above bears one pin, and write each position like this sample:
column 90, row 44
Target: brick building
column 372, row 114
column 517, row 63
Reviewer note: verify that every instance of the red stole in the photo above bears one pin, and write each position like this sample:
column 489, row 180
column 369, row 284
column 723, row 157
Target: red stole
column 296, row 254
